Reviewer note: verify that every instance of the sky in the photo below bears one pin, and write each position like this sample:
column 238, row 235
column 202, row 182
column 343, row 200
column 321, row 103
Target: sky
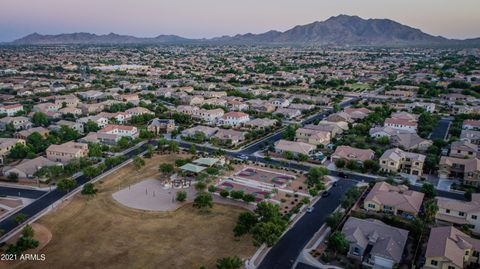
column 211, row 18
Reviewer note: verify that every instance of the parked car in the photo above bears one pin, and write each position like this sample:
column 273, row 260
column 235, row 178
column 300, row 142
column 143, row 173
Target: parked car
column 310, row 209
column 325, row 194
column 243, row 157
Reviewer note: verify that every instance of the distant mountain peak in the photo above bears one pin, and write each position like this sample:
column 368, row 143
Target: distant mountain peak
column 337, row 30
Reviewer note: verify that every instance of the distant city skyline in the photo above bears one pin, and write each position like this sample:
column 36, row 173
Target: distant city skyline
column 212, row 18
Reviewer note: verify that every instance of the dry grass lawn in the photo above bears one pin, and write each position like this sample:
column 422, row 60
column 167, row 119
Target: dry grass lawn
column 100, row 233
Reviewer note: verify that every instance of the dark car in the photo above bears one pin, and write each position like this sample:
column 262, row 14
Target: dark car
column 342, row 175
column 325, row 194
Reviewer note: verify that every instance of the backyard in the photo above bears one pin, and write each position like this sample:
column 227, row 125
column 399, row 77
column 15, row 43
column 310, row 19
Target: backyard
column 98, row 232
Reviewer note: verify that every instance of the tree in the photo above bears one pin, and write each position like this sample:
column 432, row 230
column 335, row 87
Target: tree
column 338, row 243
column 340, row 163
column 245, row 222
column 181, row 196
column 28, row 231
column 91, row 126
column 193, row 149
column 236, row 194
column 302, row 157
column 200, row 186
column 333, row 220
column 172, row 146
column 90, row 171
column 39, row 119
column 229, row 263
column 123, row 142
column 66, row 184
column 94, row 150
column 248, row 198
column 36, row 142
column 12, row 176
column 212, row 188
column 166, row 168
column 20, row 218
column 89, row 189
column 266, row 232
column 20, row 151
column 429, row 190
column 430, row 210
column 352, row 165
column 315, row 175
column 203, row 201
column 224, row 193
column 371, row 166
column 138, row 162
column 268, row 212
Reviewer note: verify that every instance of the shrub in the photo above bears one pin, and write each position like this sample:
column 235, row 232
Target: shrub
column 224, row 193
column 181, row 196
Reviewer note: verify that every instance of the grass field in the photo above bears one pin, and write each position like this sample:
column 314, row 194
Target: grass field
column 100, row 233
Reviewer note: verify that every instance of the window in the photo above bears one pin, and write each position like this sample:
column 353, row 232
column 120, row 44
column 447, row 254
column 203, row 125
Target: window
column 434, row 262
column 451, row 267
column 461, row 214
column 356, row 251
column 371, row 205
column 474, row 216
column 447, row 210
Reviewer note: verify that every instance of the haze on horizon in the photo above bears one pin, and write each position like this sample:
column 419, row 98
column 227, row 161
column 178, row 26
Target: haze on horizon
column 212, row 18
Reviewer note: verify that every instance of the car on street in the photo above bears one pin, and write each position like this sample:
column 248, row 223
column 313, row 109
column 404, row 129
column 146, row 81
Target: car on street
column 325, row 194
column 243, row 157
column 335, row 184
column 310, row 209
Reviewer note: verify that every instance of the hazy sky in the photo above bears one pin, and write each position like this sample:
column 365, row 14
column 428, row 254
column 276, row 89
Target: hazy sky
column 209, row 18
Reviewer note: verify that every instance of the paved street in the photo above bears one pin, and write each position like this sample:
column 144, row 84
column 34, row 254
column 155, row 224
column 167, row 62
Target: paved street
column 21, row 192
column 441, row 130
column 287, row 249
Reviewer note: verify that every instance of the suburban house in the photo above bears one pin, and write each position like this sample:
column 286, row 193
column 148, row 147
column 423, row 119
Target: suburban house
column 410, row 141
column 208, row 115
column 99, row 120
column 288, row 113
column 466, row 169
column 332, row 128
column 120, row 130
column 396, row 200
column 401, row 124
column 18, row 123
column 102, row 138
column 138, row 111
column 471, row 125
column 44, row 132
column 189, row 110
column 313, row 137
column 161, row 126
column 77, row 126
column 339, row 116
column 348, row 153
column 463, row 149
column 11, row 110
column 449, row 248
column 261, row 123
column 296, row 148
column 380, row 131
column 66, row 152
column 460, row 212
column 373, row 242
column 399, row 93
column 118, row 117
column 6, row 144
column 428, row 107
column 397, row 160
column 471, row 136
column 205, row 130
column 230, row 136
column 27, row 168
column 357, row 113
column 234, row 118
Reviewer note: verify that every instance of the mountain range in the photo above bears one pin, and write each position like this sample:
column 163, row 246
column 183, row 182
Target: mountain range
column 338, row 30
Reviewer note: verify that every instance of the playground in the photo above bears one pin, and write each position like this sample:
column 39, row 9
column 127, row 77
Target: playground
column 260, row 194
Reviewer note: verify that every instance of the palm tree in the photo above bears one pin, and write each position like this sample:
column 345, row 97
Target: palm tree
column 430, row 210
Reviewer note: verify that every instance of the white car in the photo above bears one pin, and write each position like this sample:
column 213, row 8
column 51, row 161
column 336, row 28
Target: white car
column 243, row 157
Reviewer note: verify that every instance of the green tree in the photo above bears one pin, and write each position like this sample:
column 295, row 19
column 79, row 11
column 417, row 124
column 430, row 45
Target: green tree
column 28, row 231
column 224, row 193
column 20, row 151
column 245, row 222
column 66, row 184
column 200, row 186
column 429, row 190
column 181, row 196
column 36, row 142
column 91, row 126
column 166, row 168
column 203, row 201
column 89, row 189
column 340, row 163
column 94, row 150
column 430, row 210
column 236, row 194
column 193, row 150
column 173, row 146
column 333, row 220
column 39, row 119
column 337, row 243
column 123, row 143
column 268, row 212
column 248, row 198
column 315, row 175
column 138, row 162
column 266, row 232
column 229, row 263
column 20, row 218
